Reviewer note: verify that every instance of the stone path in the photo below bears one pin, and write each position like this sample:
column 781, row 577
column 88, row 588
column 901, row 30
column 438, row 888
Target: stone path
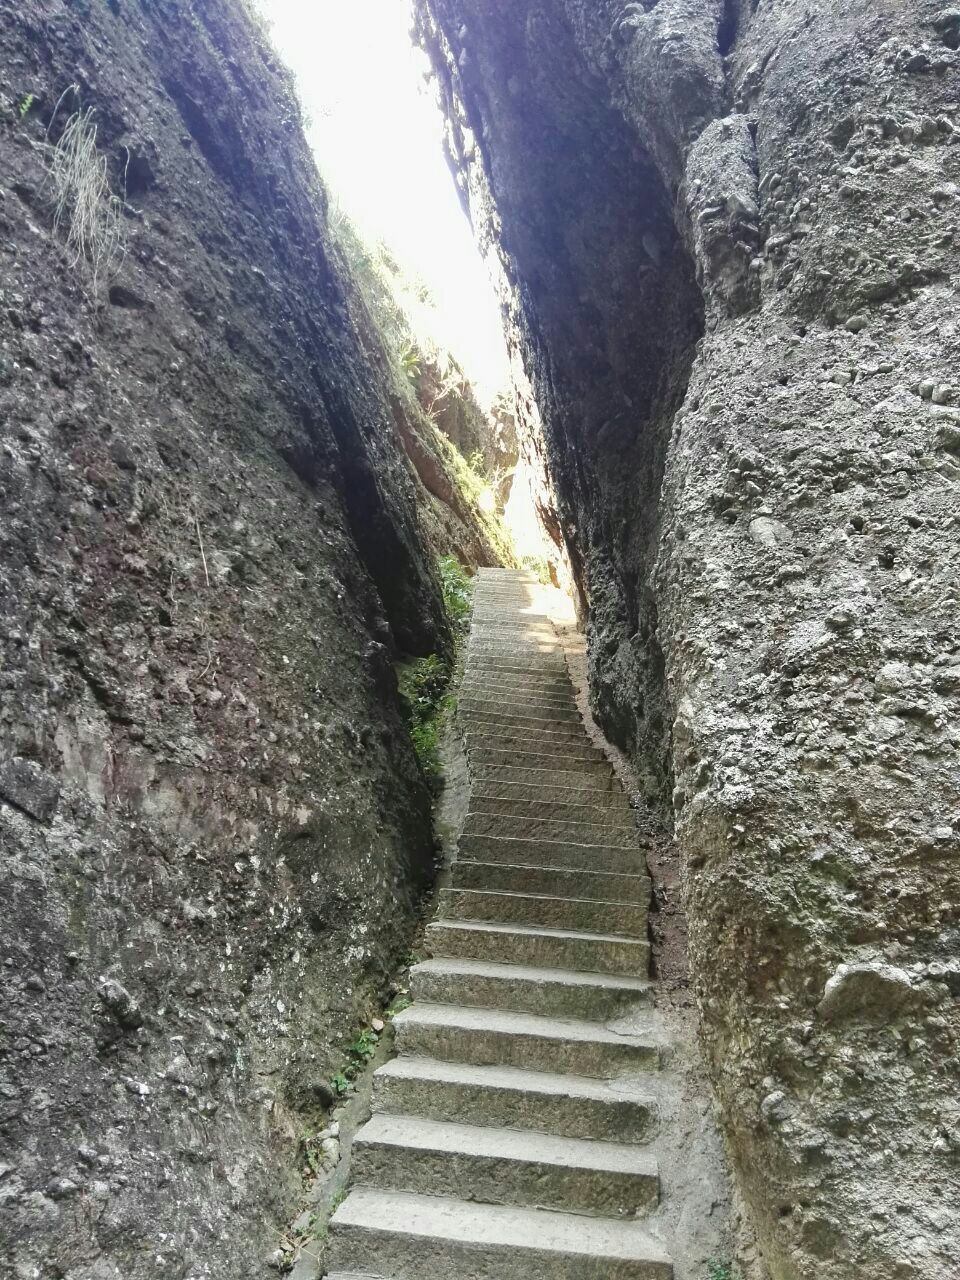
column 510, row 1136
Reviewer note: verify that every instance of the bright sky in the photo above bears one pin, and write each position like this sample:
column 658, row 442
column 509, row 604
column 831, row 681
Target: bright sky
column 376, row 131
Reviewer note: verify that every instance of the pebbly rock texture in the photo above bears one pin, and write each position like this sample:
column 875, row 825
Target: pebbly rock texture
column 213, row 829
column 725, row 235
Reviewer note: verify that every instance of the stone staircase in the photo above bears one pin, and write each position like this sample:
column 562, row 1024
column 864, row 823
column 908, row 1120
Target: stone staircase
column 510, row 1136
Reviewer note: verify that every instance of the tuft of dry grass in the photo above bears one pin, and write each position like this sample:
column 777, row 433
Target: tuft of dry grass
column 84, row 205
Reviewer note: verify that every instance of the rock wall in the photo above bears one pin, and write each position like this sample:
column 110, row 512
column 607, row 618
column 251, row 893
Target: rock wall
column 725, row 239
column 213, row 829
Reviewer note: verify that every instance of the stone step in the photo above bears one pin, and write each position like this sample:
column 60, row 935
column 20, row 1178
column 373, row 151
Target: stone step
column 553, row 992
column 553, row 794
column 540, row 658
column 539, row 671
column 527, row 648
column 520, row 600
column 535, row 722
column 500, row 1166
column 585, row 778
column 563, row 675
column 519, row 679
column 516, row 606
column 545, row 751
column 568, row 780
column 347, row 1275
column 560, row 741
column 492, row 686
column 550, row 853
column 542, row 911
column 440, row 1238
column 498, row 702
column 491, row 691
column 488, row 622
column 558, row 882
column 540, row 947
column 503, row 710
column 519, row 644
column 501, row 1038
column 513, row 640
column 513, row 599
column 565, row 1105
column 553, row 662
column 483, row 822
column 496, row 574
column 559, row 745
column 604, row 813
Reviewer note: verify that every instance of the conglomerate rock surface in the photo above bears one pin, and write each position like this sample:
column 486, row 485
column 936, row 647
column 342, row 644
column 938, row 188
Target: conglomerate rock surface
column 726, row 239
column 213, row 828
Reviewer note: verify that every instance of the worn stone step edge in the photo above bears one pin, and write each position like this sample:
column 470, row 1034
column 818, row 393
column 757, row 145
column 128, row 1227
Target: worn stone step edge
column 583, row 915
column 553, row 792
column 500, row 1037
column 562, row 735
column 546, row 1102
column 506, row 712
column 537, row 804
column 560, row 757
column 562, row 853
column 560, row 882
column 424, row 1234
column 490, row 691
column 552, row 671
column 559, row 744
column 541, row 947
column 519, row 680
column 501, row 1166
column 558, row 992
column 499, row 701
column 568, row 780
column 486, row 821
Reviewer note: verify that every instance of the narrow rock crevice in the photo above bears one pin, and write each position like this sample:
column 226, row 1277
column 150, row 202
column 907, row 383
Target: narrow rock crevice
column 600, row 271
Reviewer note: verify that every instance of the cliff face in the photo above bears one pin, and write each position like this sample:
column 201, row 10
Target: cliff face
column 213, row 829
column 725, row 237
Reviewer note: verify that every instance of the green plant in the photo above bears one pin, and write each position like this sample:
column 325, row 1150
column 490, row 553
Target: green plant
column 457, row 588
column 340, row 1084
column 479, row 494
column 423, row 683
column 476, row 463
column 539, row 566
column 338, row 1199
column 365, row 1046
column 25, row 105
column 717, row 1270
column 410, row 362
column 399, row 1003
column 422, row 686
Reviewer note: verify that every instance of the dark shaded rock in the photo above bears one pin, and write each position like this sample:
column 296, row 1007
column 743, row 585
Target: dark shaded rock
column 208, row 519
column 23, row 783
column 121, row 296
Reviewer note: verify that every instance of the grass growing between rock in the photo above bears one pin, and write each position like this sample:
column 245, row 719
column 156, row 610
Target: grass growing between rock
column 424, row 683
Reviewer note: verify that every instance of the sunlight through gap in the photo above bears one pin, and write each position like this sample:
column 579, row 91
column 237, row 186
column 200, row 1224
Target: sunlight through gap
column 376, row 132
